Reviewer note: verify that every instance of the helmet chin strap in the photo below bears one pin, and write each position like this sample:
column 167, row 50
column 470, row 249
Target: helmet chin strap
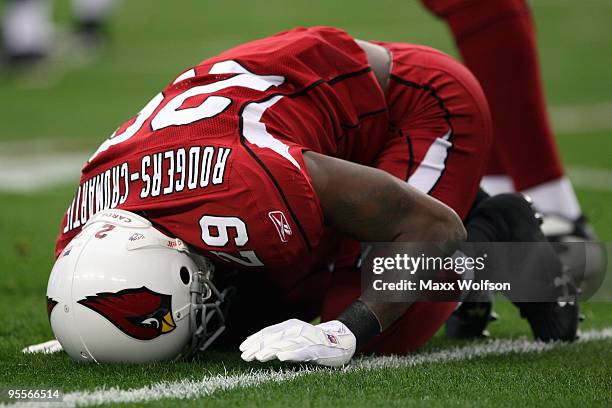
column 207, row 302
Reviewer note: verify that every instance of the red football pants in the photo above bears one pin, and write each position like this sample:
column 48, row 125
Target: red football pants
column 496, row 39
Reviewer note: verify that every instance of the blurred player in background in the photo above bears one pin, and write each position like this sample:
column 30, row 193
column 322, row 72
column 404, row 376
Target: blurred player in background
column 28, row 32
column 497, row 42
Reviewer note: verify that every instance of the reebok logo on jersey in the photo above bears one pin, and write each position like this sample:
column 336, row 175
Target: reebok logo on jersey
column 282, row 226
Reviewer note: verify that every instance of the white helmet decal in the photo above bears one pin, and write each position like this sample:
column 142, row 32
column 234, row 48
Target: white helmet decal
column 140, row 312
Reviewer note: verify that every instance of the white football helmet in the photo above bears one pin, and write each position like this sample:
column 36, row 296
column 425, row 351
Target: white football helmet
column 122, row 291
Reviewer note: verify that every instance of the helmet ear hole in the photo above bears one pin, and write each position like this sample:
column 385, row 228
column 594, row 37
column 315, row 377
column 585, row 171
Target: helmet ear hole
column 185, row 275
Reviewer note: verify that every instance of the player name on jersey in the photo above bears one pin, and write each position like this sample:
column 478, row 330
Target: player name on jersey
column 153, row 175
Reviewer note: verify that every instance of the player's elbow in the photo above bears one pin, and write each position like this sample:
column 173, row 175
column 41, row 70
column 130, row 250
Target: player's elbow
column 459, row 232
column 433, row 225
column 447, row 226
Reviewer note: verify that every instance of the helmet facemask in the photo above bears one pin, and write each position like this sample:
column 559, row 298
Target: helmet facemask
column 208, row 308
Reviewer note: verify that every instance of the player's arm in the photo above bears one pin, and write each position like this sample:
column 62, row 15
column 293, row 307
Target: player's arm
column 369, row 205
column 372, row 205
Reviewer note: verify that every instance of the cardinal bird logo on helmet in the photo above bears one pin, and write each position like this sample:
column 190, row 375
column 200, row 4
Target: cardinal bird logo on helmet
column 140, row 312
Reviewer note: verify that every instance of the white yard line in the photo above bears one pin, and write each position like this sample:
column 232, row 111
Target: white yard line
column 34, row 172
column 585, row 118
column 588, row 178
column 190, row 389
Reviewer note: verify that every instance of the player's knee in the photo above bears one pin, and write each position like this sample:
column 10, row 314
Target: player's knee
column 507, row 202
column 511, row 215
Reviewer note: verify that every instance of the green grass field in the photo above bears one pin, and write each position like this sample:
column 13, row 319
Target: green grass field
column 73, row 107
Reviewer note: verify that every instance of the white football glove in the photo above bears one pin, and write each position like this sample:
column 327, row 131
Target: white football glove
column 329, row 344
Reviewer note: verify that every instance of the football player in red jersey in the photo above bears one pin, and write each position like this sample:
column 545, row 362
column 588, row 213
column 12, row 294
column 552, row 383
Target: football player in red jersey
column 278, row 157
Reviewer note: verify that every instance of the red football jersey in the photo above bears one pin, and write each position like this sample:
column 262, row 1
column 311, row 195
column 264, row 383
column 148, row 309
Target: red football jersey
column 216, row 157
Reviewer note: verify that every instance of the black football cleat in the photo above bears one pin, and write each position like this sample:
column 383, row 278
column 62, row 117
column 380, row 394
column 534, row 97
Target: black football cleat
column 578, row 248
column 515, row 217
column 553, row 321
column 557, row 321
column 472, row 317
column 23, row 62
column 92, row 35
column 470, row 320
